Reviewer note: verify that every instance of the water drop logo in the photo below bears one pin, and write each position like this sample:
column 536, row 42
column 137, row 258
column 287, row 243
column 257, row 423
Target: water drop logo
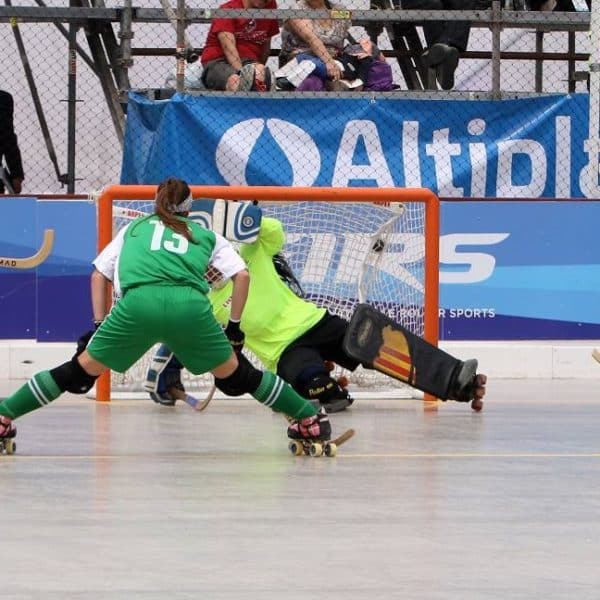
column 240, row 145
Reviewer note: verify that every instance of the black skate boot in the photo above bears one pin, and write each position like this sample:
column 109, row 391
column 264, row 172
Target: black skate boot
column 8, row 432
column 469, row 386
column 342, row 402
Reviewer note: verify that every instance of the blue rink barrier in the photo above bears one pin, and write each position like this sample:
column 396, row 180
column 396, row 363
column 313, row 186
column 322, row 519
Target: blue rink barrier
column 508, row 270
column 51, row 302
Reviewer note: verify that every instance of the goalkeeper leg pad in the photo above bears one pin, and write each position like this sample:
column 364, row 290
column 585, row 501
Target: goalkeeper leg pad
column 380, row 343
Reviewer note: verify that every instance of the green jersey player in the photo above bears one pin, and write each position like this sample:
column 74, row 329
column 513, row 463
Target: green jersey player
column 297, row 338
column 157, row 264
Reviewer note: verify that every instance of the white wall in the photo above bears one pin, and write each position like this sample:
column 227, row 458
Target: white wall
column 20, row 359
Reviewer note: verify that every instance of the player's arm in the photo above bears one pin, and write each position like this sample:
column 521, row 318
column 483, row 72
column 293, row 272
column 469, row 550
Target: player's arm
column 239, row 294
column 105, row 269
column 99, row 289
column 230, row 263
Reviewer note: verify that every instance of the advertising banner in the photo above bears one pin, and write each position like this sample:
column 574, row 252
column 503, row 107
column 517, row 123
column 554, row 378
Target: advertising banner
column 521, row 148
column 519, row 270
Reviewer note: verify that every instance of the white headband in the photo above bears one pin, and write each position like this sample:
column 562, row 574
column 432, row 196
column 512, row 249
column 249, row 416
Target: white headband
column 184, row 206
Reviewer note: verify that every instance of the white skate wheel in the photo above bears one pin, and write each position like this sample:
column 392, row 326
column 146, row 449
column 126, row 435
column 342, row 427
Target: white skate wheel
column 316, row 449
column 295, row 448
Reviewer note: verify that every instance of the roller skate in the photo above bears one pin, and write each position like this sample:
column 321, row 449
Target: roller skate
column 311, row 436
column 469, row 386
column 8, row 432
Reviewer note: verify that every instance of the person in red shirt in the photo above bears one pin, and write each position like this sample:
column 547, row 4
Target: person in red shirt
column 237, row 49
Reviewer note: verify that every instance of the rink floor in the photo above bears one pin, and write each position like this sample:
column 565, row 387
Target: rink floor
column 131, row 500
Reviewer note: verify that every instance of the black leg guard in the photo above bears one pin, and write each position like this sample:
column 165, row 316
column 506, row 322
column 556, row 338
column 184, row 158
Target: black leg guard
column 70, row 377
column 244, row 380
column 380, row 343
column 315, row 384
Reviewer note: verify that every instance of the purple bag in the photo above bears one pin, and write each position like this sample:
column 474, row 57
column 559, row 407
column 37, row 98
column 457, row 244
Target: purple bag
column 379, row 77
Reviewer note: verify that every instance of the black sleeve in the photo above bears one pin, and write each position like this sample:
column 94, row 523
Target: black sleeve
column 9, row 148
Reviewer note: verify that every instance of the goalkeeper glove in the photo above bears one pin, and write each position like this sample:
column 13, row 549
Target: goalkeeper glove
column 84, row 339
column 235, row 336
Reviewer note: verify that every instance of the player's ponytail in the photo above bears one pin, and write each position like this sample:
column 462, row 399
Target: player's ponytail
column 173, row 197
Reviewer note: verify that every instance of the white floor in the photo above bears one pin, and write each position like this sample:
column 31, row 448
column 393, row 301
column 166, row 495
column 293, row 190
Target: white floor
column 132, row 500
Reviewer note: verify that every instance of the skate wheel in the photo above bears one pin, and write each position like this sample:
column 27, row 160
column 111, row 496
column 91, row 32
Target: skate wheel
column 10, row 446
column 330, row 450
column 315, row 449
column 295, row 448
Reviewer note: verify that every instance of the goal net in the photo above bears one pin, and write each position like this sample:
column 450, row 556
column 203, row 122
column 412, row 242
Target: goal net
column 344, row 245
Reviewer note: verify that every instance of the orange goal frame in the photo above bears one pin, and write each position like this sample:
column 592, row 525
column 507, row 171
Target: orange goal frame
column 286, row 194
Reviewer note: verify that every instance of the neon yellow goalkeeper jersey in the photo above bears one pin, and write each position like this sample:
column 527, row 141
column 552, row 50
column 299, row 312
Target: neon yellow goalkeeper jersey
column 273, row 316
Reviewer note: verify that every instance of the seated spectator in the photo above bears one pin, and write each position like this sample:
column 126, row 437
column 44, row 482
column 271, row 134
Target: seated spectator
column 368, row 64
column 236, row 50
column 11, row 177
column 316, row 41
column 445, row 39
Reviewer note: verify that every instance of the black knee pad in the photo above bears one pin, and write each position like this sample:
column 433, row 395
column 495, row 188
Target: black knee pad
column 70, row 377
column 244, row 380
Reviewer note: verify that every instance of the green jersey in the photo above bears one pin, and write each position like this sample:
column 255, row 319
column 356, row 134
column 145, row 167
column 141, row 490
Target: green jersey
column 153, row 254
column 160, row 276
column 273, row 316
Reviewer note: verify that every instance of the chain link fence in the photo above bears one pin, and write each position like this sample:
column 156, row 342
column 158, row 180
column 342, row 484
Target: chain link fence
column 69, row 73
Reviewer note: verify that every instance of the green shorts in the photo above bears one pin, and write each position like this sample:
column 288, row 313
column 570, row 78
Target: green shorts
column 180, row 317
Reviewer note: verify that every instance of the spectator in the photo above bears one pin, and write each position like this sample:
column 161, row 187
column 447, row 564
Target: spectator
column 319, row 41
column 445, row 39
column 237, row 49
column 9, row 148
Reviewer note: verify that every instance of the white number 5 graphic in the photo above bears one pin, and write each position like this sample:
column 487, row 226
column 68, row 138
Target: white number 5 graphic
column 178, row 245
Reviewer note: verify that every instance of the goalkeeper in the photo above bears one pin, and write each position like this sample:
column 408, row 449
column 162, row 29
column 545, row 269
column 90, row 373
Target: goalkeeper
column 296, row 338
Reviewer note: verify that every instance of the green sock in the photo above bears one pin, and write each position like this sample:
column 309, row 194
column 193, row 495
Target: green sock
column 278, row 395
column 40, row 390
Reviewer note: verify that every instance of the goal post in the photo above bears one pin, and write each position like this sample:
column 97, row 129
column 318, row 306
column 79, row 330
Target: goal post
column 382, row 245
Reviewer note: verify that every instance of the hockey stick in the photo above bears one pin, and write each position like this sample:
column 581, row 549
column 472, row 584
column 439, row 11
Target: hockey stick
column 596, row 354
column 197, row 405
column 34, row 260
